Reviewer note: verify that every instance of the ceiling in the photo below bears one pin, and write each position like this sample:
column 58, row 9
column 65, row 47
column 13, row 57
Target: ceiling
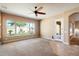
column 25, row 9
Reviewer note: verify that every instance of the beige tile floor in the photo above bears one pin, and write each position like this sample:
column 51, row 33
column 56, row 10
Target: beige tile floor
column 38, row 47
column 63, row 49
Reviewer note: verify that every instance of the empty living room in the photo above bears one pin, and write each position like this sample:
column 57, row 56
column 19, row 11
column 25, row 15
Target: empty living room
column 39, row 29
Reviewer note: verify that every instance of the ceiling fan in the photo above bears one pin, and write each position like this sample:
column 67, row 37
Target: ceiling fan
column 37, row 11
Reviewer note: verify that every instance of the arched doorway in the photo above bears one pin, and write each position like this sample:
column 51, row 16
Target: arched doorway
column 74, row 28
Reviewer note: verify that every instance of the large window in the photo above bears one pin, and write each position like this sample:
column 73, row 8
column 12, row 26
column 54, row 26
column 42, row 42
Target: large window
column 20, row 28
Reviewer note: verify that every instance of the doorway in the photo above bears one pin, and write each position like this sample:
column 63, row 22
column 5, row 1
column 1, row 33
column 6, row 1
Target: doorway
column 74, row 29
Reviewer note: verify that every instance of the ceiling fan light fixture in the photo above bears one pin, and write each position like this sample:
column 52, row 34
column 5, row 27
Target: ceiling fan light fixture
column 35, row 7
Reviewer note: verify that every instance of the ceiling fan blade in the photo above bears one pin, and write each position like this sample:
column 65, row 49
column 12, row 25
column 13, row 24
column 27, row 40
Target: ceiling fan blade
column 40, row 8
column 41, row 13
column 36, row 14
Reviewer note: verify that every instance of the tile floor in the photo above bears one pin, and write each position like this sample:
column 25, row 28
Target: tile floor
column 38, row 47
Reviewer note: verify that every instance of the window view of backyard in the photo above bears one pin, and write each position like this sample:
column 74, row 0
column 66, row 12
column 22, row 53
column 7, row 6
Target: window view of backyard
column 19, row 28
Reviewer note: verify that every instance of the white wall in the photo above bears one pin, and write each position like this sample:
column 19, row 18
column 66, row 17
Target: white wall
column 47, row 26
